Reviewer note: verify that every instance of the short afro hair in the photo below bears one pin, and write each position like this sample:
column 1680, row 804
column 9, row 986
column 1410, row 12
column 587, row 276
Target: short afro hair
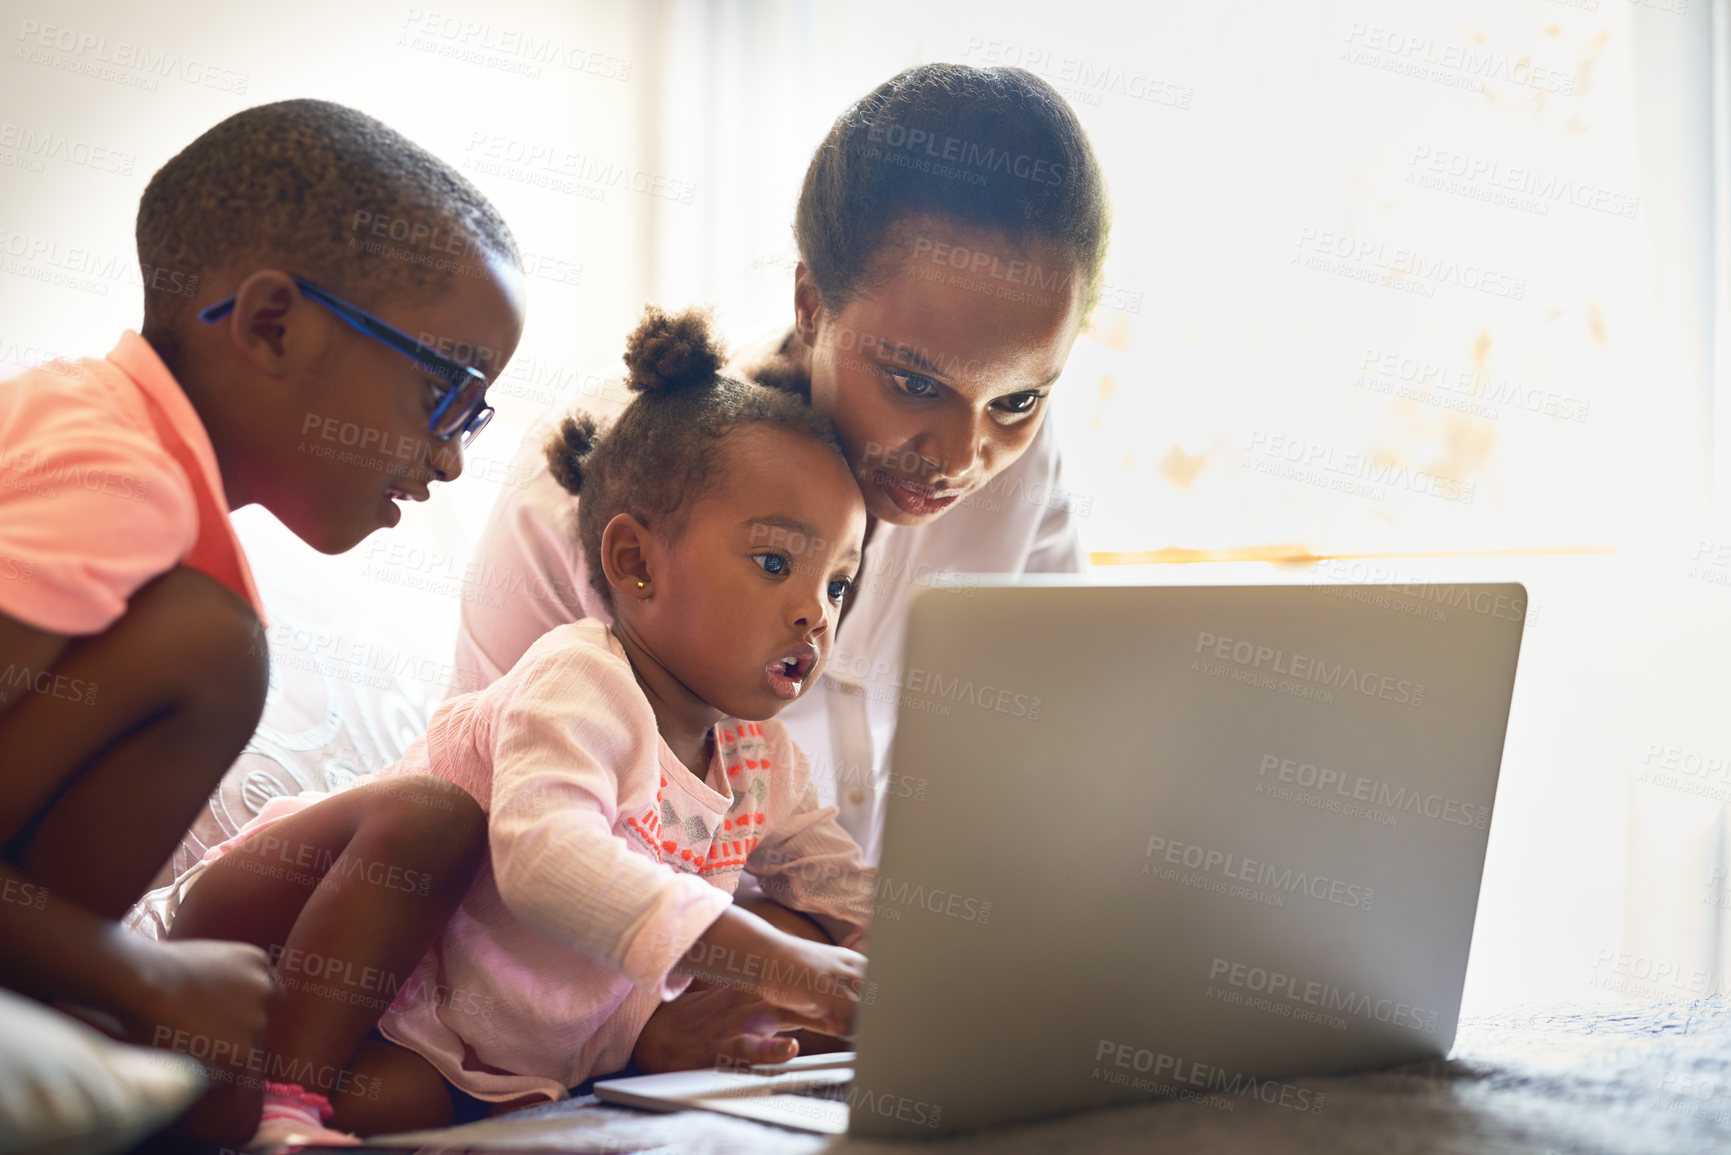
column 307, row 184
column 657, row 457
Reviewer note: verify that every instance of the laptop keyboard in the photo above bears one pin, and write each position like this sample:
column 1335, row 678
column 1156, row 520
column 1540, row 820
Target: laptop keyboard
column 817, row 1101
column 831, row 1085
column 835, row 1092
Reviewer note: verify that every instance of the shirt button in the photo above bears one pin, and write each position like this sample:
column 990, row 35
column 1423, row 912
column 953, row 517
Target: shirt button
column 856, row 795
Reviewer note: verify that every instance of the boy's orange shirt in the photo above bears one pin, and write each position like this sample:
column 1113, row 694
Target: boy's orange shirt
column 107, row 479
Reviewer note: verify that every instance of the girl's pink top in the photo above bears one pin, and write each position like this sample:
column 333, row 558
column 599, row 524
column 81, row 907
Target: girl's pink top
column 608, row 860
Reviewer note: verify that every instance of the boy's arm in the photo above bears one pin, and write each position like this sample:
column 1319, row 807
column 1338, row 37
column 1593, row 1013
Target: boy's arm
column 58, row 952
column 55, row 951
column 24, row 650
column 209, row 998
column 24, row 647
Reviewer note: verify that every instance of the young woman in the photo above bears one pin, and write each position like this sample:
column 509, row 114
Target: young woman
column 951, row 232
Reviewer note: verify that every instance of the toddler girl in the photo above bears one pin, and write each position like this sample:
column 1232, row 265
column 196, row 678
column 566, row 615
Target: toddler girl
column 630, row 772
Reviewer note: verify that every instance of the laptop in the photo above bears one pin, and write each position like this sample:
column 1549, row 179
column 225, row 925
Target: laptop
column 1174, row 842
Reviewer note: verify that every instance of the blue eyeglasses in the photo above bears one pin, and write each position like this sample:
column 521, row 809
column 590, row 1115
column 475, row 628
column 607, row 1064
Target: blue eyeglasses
column 462, row 410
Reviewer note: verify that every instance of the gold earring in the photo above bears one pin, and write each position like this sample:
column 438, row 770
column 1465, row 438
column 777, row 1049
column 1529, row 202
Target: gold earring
column 639, row 585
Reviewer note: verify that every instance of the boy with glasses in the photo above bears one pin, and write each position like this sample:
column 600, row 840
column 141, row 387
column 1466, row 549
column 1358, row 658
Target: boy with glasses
column 287, row 358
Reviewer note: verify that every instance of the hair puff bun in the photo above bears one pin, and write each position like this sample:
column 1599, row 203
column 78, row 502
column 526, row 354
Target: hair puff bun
column 569, row 449
column 670, row 352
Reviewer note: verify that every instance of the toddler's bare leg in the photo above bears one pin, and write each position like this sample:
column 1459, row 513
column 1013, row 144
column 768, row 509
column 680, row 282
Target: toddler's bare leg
column 347, row 896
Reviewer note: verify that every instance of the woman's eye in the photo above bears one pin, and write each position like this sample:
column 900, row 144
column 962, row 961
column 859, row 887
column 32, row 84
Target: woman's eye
column 432, row 394
column 1019, row 402
column 771, row 563
column 838, row 588
column 913, row 384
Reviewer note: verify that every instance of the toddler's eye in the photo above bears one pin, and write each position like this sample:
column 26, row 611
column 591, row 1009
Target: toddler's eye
column 772, row 563
column 839, row 588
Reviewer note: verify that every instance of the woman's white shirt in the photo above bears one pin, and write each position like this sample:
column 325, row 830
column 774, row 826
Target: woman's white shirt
column 1022, row 522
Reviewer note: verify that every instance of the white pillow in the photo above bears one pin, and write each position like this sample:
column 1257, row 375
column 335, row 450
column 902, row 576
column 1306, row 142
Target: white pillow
column 66, row 1089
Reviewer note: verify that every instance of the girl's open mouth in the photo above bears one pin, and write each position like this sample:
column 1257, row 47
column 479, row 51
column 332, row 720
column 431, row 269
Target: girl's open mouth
column 786, row 675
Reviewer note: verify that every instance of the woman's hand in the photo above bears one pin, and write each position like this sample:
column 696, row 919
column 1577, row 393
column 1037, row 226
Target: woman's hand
column 714, row 1026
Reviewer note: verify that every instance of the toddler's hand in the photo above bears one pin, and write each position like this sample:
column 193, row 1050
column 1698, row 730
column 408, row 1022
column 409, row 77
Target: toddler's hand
column 815, row 980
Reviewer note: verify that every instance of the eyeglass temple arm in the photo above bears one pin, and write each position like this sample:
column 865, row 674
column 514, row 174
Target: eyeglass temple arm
column 217, row 311
column 360, row 324
column 225, row 306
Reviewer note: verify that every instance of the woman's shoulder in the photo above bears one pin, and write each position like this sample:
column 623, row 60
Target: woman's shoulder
column 529, row 546
column 1042, row 459
column 769, row 360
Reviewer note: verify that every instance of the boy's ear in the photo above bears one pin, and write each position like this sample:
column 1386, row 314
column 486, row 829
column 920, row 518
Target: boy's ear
column 629, row 556
column 261, row 326
column 807, row 304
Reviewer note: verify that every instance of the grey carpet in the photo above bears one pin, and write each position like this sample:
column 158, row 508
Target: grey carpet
column 1615, row 1079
